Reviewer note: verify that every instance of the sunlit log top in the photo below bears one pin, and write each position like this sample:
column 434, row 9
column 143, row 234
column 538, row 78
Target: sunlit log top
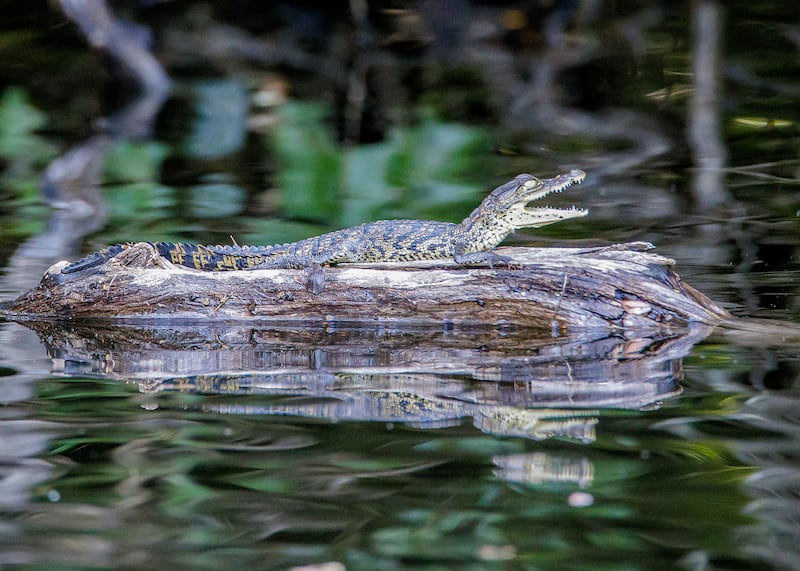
column 552, row 288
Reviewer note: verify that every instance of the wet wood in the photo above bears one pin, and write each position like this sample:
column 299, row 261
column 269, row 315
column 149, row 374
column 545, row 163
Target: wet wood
column 623, row 285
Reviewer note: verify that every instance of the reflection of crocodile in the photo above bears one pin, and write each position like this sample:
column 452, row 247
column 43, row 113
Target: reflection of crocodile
column 501, row 213
column 361, row 397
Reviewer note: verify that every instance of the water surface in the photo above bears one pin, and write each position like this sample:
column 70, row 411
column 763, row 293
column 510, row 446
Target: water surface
column 365, row 447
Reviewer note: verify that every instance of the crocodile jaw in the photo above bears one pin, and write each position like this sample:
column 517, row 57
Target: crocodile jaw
column 522, row 216
column 534, row 189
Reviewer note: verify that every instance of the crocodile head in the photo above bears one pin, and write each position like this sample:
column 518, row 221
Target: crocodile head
column 509, row 202
column 506, row 210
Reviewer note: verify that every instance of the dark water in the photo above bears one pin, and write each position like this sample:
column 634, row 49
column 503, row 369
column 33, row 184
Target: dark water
column 363, row 447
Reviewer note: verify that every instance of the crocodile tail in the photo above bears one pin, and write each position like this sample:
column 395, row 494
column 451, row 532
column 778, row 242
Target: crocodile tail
column 95, row 259
column 210, row 258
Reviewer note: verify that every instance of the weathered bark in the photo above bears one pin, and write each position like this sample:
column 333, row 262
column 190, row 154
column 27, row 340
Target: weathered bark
column 552, row 288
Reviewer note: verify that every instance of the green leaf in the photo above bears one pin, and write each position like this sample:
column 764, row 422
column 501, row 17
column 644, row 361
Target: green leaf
column 309, row 164
column 220, row 125
column 25, row 152
column 135, row 206
column 367, row 185
column 135, row 161
column 18, row 120
column 216, row 199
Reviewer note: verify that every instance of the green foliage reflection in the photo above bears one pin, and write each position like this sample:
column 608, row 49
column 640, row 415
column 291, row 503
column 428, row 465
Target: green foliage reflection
column 419, row 171
column 23, row 151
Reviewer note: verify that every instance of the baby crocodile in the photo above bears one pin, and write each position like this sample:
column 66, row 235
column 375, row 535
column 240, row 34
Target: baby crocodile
column 470, row 242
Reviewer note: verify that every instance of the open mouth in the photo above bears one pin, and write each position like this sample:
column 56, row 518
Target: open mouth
column 555, row 214
column 555, row 185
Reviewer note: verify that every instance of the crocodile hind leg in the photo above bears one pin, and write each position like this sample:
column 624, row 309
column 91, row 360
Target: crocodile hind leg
column 345, row 251
column 313, row 262
column 480, row 258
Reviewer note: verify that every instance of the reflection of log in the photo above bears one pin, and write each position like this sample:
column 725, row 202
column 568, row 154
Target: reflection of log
column 507, row 383
column 616, row 286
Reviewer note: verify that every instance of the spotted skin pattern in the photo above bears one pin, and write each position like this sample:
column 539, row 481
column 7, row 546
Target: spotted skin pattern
column 470, row 242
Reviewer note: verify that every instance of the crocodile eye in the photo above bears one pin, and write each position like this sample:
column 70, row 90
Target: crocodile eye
column 531, row 183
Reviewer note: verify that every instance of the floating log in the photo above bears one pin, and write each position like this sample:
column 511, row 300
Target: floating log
column 558, row 289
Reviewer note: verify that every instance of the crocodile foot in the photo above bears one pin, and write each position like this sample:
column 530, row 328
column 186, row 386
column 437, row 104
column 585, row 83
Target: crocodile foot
column 490, row 258
column 315, row 279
